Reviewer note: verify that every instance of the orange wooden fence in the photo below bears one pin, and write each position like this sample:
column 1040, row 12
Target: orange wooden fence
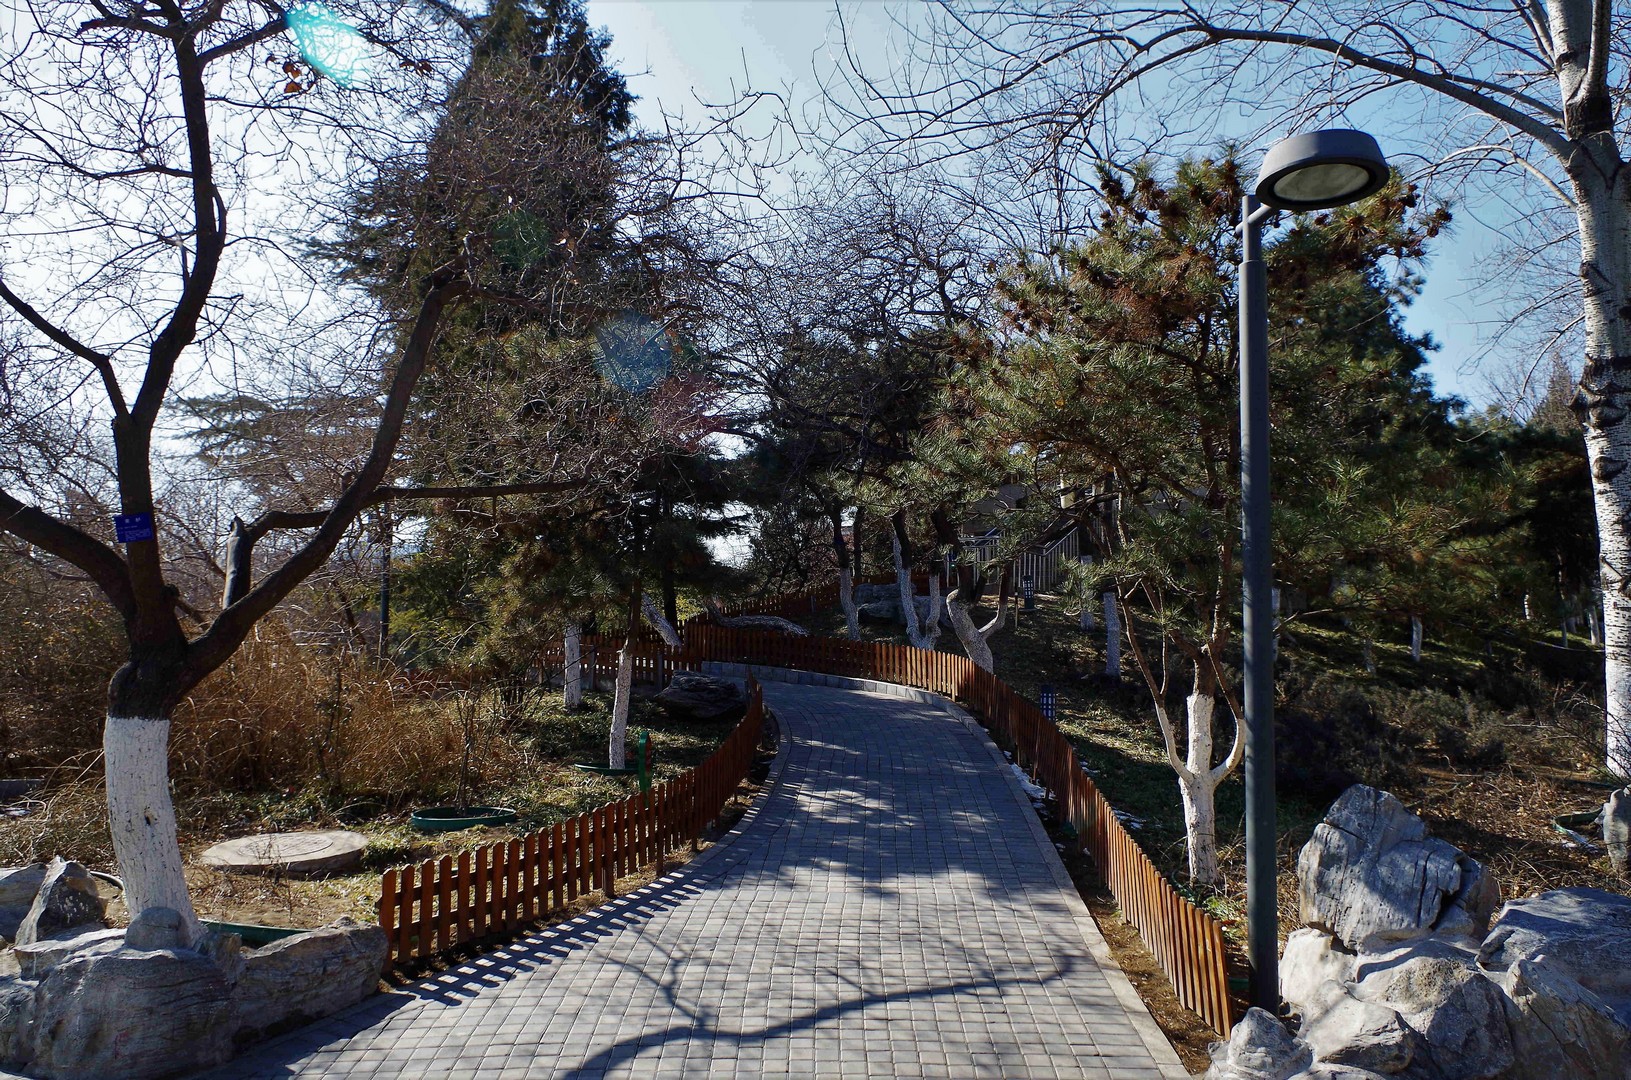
column 498, row 888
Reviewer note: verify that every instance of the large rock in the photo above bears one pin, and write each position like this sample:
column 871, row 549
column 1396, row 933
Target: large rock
column 1259, row 1048
column 1439, row 992
column 1559, row 1028
column 879, row 611
column 67, row 899
column 16, row 1023
column 1617, row 830
column 1583, row 934
column 1313, row 969
column 157, row 928
column 702, row 697
column 308, row 976
column 131, row 1015
column 36, row 959
column 1372, row 876
column 1362, row 1035
column 18, row 886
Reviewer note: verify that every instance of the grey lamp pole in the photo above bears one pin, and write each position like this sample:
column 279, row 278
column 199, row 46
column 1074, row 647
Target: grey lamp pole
column 1316, row 171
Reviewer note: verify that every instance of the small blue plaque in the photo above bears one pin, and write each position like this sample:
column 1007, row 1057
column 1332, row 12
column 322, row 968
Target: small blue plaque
column 129, row 528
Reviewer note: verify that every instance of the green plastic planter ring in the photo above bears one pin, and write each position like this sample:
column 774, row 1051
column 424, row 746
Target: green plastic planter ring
column 454, row 818
column 642, row 755
column 251, row 933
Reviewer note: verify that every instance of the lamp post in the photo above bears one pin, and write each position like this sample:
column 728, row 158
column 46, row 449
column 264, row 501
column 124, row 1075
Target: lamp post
column 1315, row 171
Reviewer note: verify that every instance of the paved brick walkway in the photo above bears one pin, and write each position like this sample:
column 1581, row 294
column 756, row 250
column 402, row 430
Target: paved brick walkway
column 891, row 908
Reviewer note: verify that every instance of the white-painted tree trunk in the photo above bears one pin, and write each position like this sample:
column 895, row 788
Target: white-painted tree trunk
column 1112, row 636
column 1415, row 639
column 621, row 697
column 846, row 600
column 659, row 622
column 1370, row 657
column 1198, row 789
column 922, row 634
column 142, row 819
column 976, row 640
column 572, row 677
column 1593, row 628
column 1528, row 612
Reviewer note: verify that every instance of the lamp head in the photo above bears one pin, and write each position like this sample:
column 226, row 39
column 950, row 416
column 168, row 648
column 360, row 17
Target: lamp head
column 1321, row 169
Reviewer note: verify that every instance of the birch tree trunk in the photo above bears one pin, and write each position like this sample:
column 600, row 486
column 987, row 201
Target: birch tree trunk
column 572, row 677
column 142, row 819
column 1415, row 639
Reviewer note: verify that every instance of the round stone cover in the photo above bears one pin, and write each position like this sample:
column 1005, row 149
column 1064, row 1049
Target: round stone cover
column 319, row 852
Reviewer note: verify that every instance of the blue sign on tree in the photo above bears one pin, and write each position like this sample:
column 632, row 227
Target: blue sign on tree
column 129, row 528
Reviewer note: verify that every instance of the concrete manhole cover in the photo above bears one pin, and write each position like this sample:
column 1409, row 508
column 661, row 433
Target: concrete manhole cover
column 288, row 853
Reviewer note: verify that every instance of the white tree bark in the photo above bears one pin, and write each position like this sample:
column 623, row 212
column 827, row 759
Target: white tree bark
column 659, row 622
column 142, row 819
column 920, row 635
column 846, row 600
column 621, row 697
column 1415, row 639
column 1198, row 779
column 976, row 640
column 572, row 676
column 1087, row 605
column 1370, row 657
column 1112, row 636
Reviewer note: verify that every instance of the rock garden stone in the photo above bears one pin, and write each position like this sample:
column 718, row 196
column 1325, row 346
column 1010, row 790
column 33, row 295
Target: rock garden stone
column 1361, row 1035
column 879, row 611
column 67, row 898
column 694, row 696
column 1311, row 966
column 1373, row 877
column 1617, row 830
column 132, row 1015
column 156, row 928
column 1559, row 1028
column 1439, row 992
column 16, row 1023
column 1584, row 934
column 308, row 976
column 1259, row 1048
column 225, row 951
column 18, row 885
column 36, row 959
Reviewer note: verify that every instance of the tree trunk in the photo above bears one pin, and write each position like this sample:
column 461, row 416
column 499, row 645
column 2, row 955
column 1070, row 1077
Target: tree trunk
column 142, row 820
column 1112, row 636
column 572, row 677
column 664, row 628
column 846, row 600
column 620, row 705
column 1602, row 191
column 1415, row 639
column 975, row 645
column 1197, row 785
column 1370, row 657
column 922, row 637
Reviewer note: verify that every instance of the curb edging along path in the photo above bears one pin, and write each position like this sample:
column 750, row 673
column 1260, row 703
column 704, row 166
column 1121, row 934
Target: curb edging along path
column 890, row 906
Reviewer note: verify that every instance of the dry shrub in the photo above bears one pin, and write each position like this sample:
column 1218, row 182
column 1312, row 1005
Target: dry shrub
column 285, row 715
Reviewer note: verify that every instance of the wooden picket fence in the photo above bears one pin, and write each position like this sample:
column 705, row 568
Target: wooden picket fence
column 1186, row 941
column 497, row 889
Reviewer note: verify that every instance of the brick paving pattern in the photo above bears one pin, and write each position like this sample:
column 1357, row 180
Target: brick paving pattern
column 891, row 908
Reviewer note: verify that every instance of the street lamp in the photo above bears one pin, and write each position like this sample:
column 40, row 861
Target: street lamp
column 1315, row 171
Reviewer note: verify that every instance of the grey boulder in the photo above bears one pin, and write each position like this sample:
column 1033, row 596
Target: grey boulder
column 307, row 976
column 36, row 959
column 1313, row 968
column 157, row 928
column 1438, row 991
column 67, row 898
column 16, row 1023
column 132, row 1015
column 1584, row 934
column 1259, row 1048
column 702, row 697
column 1559, row 1028
column 18, row 885
column 1372, row 876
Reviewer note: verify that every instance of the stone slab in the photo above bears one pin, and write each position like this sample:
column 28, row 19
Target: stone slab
column 299, row 853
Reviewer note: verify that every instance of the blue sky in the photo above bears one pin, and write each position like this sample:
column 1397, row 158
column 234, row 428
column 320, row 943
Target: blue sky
column 675, row 51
